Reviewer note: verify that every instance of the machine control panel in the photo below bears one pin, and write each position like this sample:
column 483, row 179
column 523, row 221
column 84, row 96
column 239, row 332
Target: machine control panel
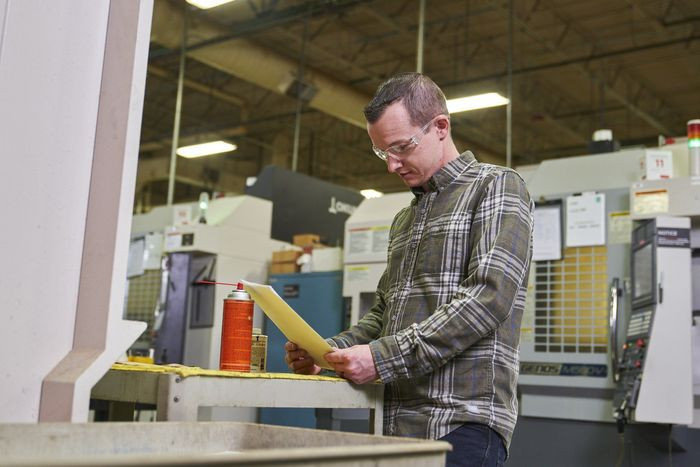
column 634, row 352
column 644, row 298
column 656, row 354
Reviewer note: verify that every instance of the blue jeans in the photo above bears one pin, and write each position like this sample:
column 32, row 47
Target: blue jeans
column 474, row 444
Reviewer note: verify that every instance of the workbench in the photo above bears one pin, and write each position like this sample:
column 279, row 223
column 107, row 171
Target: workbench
column 179, row 391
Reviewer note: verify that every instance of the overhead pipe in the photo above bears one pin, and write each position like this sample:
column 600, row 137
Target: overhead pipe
column 576, row 60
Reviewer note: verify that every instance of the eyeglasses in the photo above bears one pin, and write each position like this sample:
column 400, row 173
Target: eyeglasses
column 402, row 148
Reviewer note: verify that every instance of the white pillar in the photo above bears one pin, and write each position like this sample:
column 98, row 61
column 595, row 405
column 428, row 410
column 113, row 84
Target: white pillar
column 72, row 77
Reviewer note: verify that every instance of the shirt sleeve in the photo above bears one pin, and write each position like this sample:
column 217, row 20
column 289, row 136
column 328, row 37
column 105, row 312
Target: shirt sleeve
column 369, row 327
column 501, row 239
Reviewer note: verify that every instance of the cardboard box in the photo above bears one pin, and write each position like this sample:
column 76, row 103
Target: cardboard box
column 284, row 268
column 327, row 259
column 303, row 240
column 285, row 256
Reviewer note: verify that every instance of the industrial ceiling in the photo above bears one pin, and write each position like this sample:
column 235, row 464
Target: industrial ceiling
column 629, row 65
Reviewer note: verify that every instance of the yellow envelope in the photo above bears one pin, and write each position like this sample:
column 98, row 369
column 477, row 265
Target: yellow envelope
column 289, row 322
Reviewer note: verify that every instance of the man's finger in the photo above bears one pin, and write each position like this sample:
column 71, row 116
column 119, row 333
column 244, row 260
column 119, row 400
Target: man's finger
column 289, row 346
column 302, row 363
column 295, row 355
column 337, row 356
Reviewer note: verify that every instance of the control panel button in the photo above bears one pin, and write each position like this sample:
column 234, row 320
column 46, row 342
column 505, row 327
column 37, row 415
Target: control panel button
column 640, row 343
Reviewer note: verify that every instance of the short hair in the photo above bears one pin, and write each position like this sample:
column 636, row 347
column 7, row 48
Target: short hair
column 421, row 97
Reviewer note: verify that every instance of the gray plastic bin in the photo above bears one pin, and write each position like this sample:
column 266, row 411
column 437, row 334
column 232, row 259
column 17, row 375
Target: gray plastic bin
column 207, row 443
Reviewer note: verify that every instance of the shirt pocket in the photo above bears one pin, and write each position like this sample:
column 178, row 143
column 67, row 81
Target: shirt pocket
column 473, row 373
column 444, row 247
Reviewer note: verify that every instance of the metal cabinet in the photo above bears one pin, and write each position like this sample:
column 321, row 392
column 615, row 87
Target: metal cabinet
column 317, row 297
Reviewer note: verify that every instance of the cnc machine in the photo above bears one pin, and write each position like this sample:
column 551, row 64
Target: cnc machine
column 233, row 244
column 654, row 373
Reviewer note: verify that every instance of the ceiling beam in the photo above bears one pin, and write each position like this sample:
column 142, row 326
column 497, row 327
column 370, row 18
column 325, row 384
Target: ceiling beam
column 575, row 60
column 589, row 39
column 258, row 65
column 328, row 55
column 195, row 172
column 199, row 87
column 266, row 20
column 461, row 140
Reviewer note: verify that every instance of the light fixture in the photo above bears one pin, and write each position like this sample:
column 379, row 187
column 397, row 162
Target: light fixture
column 206, row 4
column 478, row 101
column 205, row 149
column 203, row 206
column 370, row 193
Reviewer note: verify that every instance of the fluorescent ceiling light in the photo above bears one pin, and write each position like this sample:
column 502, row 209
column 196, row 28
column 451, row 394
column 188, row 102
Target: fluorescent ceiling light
column 206, row 4
column 205, row 149
column 371, row 193
column 479, row 101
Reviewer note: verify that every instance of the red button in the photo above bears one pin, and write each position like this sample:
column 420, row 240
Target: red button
column 640, row 343
column 637, row 364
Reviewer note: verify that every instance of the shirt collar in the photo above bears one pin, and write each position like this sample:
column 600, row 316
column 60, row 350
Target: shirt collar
column 447, row 174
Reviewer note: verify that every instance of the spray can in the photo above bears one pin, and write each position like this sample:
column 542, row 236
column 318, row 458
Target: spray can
column 236, row 331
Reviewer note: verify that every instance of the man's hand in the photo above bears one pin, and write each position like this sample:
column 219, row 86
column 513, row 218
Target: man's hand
column 299, row 361
column 354, row 363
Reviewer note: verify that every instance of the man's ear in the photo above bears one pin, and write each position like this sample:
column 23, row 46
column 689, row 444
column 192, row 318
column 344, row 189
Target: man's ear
column 443, row 126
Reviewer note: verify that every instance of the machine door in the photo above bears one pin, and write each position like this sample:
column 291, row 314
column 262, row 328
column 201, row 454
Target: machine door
column 567, row 343
column 185, row 301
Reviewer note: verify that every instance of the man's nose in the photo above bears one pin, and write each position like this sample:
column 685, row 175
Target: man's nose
column 392, row 164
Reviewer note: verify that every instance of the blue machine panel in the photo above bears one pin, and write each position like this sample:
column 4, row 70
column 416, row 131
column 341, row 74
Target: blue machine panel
column 317, row 297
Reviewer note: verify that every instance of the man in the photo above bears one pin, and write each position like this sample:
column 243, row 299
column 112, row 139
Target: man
column 444, row 330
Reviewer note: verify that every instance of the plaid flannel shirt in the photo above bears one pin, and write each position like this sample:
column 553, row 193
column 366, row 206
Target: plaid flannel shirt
column 445, row 326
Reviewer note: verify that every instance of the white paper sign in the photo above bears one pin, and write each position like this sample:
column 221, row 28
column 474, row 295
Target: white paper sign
column 134, row 265
column 173, row 240
column 650, row 202
column 547, row 233
column 585, row 219
column 619, row 227
column 182, row 215
column 657, row 164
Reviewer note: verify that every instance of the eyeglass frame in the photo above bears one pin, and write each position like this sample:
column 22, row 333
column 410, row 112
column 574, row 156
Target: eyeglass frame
column 412, row 142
